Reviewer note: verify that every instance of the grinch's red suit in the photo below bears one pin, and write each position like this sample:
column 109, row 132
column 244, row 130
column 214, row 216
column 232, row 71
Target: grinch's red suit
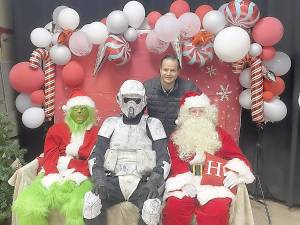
column 185, row 195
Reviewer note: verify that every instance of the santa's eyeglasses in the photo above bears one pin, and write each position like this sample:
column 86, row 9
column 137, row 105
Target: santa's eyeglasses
column 136, row 100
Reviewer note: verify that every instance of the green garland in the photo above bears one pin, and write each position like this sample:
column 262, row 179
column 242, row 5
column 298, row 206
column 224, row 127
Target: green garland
column 9, row 152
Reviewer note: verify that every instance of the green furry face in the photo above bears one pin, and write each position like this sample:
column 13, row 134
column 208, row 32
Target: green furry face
column 79, row 114
column 79, row 123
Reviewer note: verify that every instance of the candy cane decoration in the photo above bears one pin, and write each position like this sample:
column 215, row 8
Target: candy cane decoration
column 35, row 61
column 255, row 63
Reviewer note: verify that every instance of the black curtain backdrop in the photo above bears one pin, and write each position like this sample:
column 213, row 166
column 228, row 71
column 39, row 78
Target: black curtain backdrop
column 278, row 160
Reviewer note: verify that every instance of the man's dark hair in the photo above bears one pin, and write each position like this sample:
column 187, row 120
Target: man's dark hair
column 170, row 57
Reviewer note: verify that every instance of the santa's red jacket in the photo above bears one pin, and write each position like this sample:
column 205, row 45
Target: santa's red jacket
column 180, row 174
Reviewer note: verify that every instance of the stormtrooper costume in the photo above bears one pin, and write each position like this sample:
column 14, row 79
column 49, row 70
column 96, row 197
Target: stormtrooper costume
column 130, row 160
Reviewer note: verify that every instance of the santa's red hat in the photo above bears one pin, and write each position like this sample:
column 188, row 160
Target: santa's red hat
column 78, row 97
column 193, row 99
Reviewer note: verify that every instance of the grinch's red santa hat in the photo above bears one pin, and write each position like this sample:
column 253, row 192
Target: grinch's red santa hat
column 78, row 97
column 193, row 99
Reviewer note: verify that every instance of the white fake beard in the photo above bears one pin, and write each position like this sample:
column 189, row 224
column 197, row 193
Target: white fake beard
column 196, row 135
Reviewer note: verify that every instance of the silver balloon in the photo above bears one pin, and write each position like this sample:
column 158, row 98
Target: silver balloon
column 255, row 49
column 275, row 110
column 56, row 11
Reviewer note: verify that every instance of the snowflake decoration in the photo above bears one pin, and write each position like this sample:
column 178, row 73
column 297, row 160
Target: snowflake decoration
column 224, row 93
column 211, row 71
column 98, row 118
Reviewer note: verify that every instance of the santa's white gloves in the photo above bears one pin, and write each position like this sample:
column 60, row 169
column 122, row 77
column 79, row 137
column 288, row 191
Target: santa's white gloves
column 231, row 179
column 190, row 190
column 50, row 179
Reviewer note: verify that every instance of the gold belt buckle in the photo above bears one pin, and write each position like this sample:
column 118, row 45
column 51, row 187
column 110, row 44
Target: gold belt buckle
column 197, row 169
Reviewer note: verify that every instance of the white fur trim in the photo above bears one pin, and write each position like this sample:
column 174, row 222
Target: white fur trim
column 51, row 178
column 206, row 193
column 177, row 182
column 196, row 101
column 198, row 159
column 80, row 100
column 237, row 165
column 75, row 143
column 77, row 177
column 63, row 162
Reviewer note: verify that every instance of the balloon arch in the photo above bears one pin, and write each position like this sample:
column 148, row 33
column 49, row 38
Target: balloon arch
column 235, row 34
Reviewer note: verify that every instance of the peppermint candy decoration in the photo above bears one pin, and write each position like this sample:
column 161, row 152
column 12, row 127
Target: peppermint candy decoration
column 242, row 13
column 201, row 54
column 37, row 56
column 118, row 50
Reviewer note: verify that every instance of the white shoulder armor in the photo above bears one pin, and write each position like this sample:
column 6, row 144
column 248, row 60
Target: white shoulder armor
column 156, row 129
column 108, row 126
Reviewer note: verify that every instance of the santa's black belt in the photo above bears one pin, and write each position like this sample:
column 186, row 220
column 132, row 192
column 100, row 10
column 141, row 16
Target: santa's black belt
column 196, row 169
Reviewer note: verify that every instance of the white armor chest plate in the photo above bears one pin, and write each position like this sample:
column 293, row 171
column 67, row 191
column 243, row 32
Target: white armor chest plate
column 130, row 137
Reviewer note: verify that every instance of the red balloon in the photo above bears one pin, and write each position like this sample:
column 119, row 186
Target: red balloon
column 202, row 10
column 268, row 96
column 73, row 74
column 179, row 7
column 37, row 97
column 268, row 31
column 268, row 53
column 25, row 79
column 276, row 87
column 152, row 18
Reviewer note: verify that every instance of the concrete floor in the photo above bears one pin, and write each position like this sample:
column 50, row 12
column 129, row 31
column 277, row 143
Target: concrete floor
column 280, row 214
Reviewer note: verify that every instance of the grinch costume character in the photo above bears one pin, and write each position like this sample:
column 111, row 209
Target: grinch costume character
column 63, row 180
column 196, row 135
column 130, row 160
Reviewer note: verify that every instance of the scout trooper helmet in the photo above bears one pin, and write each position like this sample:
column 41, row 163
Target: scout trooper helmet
column 132, row 98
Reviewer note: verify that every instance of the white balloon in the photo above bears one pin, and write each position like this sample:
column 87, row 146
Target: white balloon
column 117, row 22
column 222, row 7
column 96, row 32
column 56, row 12
column 245, row 99
column 23, row 102
column 190, row 24
column 154, row 44
column 131, row 34
column 245, row 78
column 214, row 21
column 135, row 12
column 68, row 19
column 40, row 37
column 232, row 44
column 280, row 64
column 79, row 44
column 33, row 117
column 53, row 28
column 255, row 49
column 167, row 28
column 55, row 38
column 274, row 110
column 60, row 54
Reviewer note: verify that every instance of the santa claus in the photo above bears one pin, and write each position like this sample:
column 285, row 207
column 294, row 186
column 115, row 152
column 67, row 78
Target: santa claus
column 63, row 180
column 196, row 135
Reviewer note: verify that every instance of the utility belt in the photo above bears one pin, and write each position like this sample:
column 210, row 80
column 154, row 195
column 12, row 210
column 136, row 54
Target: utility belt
column 123, row 162
column 197, row 169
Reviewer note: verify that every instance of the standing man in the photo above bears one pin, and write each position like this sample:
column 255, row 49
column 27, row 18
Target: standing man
column 163, row 92
column 130, row 160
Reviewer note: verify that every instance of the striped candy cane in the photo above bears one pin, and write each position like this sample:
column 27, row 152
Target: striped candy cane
column 257, row 102
column 35, row 61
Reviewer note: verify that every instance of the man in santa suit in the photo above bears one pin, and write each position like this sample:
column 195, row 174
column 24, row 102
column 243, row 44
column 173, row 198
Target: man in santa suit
column 63, row 180
column 196, row 135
